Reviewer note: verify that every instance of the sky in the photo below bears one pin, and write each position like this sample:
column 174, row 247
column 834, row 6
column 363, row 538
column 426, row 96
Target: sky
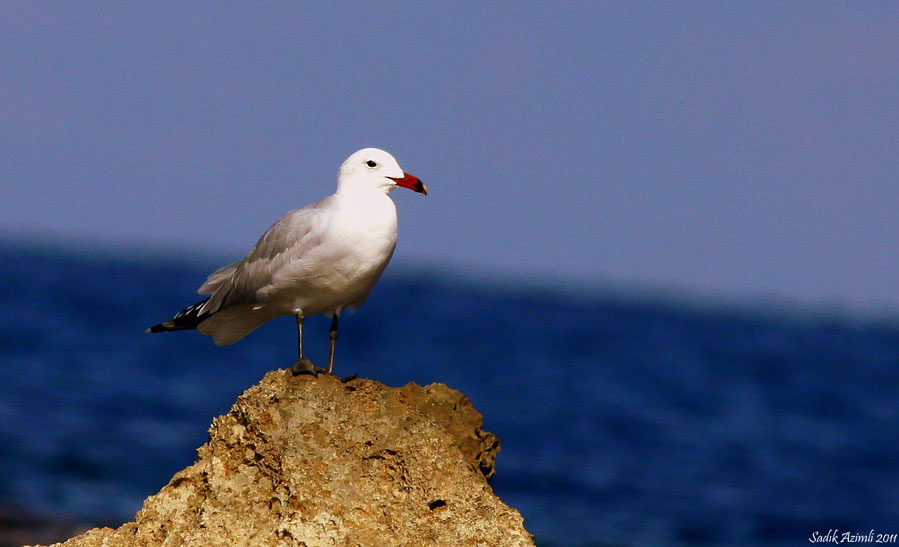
column 736, row 150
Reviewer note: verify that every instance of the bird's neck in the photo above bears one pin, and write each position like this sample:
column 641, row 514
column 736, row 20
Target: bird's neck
column 361, row 188
column 367, row 205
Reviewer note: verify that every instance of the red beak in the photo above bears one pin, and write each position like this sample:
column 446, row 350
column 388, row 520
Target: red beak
column 410, row 182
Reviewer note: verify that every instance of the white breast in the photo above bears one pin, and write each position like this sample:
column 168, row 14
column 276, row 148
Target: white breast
column 357, row 241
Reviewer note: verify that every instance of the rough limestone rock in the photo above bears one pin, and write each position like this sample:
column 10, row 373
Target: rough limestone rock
column 314, row 462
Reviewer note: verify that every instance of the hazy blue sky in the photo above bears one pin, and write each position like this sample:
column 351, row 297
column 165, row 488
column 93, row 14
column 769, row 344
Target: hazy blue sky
column 725, row 148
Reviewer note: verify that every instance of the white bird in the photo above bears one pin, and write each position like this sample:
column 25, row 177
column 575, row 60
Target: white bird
column 317, row 260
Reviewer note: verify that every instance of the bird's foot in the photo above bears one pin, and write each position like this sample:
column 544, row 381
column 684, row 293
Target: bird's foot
column 305, row 366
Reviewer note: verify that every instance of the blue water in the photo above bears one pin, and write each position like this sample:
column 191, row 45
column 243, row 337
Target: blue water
column 623, row 420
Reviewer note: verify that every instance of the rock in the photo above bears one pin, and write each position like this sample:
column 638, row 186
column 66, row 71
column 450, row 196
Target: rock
column 312, row 461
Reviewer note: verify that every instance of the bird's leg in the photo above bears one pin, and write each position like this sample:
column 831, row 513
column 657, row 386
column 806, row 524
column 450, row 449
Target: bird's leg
column 303, row 366
column 300, row 320
column 333, row 335
column 345, row 379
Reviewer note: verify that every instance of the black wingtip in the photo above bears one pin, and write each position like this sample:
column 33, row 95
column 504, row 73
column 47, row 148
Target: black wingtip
column 186, row 319
column 163, row 327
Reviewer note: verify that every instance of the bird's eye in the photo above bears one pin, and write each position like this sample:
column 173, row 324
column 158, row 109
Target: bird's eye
column 371, row 163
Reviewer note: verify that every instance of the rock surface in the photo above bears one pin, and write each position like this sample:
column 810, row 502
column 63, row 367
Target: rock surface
column 313, row 461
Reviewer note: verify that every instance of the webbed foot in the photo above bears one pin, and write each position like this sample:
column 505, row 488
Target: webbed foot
column 305, row 366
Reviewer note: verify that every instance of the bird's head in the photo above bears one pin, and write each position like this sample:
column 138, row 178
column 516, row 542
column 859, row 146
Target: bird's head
column 376, row 168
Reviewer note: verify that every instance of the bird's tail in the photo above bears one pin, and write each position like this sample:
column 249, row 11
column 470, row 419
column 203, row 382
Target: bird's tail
column 186, row 319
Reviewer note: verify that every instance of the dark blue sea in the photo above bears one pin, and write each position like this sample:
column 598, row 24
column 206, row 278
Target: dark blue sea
column 624, row 418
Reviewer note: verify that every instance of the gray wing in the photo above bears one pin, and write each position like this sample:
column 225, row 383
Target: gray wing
column 215, row 280
column 288, row 239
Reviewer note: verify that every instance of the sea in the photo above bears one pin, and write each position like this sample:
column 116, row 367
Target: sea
column 626, row 418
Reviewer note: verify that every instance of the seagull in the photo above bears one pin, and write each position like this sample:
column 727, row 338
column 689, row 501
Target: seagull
column 316, row 260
